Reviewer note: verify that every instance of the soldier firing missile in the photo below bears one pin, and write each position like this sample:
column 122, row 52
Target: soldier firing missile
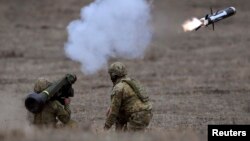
column 58, row 90
column 212, row 18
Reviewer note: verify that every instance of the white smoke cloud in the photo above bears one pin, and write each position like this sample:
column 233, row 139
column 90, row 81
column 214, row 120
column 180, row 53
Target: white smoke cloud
column 109, row 28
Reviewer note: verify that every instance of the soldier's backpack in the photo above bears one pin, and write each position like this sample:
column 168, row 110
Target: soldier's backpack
column 138, row 89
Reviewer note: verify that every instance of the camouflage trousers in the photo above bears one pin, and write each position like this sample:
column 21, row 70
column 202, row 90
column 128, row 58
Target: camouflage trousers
column 71, row 124
column 136, row 122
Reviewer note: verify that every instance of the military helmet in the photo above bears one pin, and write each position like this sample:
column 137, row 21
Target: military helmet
column 117, row 69
column 41, row 84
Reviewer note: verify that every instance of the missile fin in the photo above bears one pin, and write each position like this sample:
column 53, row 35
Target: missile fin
column 211, row 10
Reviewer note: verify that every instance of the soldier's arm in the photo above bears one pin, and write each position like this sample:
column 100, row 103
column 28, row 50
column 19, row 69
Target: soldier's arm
column 114, row 108
column 63, row 112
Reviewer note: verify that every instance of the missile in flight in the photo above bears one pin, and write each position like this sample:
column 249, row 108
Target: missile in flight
column 212, row 18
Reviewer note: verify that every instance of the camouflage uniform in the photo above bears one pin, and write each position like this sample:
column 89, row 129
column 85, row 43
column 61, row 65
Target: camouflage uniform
column 53, row 110
column 128, row 110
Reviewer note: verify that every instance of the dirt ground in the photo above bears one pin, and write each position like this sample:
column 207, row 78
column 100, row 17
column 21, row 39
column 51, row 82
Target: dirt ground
column 194, row 79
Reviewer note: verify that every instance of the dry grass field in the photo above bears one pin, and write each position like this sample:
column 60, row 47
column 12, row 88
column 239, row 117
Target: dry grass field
column 194, row 79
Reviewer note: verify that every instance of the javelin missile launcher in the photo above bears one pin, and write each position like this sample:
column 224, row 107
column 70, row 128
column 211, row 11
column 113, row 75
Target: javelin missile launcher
column 60, row 89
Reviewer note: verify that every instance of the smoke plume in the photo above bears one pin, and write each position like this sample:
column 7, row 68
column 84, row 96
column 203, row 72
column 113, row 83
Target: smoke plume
column 109, row 29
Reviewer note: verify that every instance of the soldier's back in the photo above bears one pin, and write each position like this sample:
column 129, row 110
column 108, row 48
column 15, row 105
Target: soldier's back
column 131, row 103
column 136, row 110
column 47, row 117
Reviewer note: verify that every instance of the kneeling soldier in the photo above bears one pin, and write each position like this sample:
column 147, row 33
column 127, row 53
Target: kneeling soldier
column 130, row 107
column 53, row 109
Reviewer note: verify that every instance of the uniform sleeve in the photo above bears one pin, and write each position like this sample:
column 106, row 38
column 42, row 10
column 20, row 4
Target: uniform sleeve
column 63, row 113
column 115, row 107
